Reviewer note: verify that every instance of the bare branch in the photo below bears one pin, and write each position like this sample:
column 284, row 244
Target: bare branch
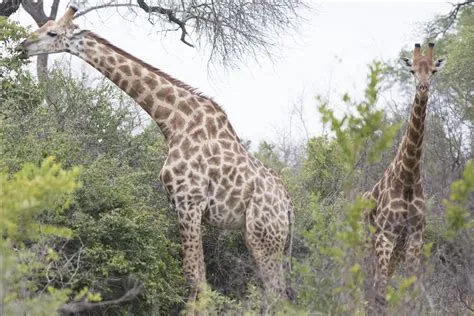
column 455, row 11
column 171, row 17
column 107, row 5
column 77, row 307
column 444, row 23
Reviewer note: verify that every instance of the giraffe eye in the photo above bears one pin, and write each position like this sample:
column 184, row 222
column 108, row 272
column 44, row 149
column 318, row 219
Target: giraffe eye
column 52, row 34
column 434, row 71
column 412, row 71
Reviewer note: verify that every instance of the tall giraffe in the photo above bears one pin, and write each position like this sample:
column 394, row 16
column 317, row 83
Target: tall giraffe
column 208, row 175
column 399, row 213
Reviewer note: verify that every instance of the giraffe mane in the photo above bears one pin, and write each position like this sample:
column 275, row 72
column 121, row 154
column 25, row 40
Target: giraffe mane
column 160, row 73
column 155, row 70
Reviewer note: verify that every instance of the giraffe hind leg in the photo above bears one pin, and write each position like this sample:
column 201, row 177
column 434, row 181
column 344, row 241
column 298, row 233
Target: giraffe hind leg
column 266, row 243
column 270, row 270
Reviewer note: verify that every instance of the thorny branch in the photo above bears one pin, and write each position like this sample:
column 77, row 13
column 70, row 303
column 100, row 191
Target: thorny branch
column 171, row 17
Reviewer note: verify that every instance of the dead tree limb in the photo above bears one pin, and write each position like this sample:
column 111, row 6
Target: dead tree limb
column 107, row 5
column 77, row 307
column 171, row 17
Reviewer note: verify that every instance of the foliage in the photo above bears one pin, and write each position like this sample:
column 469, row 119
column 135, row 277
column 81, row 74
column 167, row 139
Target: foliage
column 354, row 131
column 337, row 238
column 457, row 215
column 121, row 231
column 26, row 196
column 268, row 156
column 14, row 78
column 10, row 34
column 324, row 168
column 41, row 191
column 95, row 241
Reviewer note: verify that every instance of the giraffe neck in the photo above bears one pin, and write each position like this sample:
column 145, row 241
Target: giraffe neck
column 168, row 101
column 407, row 163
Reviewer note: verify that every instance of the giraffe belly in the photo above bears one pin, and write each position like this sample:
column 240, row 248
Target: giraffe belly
column 223, row 217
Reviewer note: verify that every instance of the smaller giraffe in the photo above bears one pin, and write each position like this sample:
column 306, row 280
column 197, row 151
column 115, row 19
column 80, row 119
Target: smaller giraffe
column 399, row 213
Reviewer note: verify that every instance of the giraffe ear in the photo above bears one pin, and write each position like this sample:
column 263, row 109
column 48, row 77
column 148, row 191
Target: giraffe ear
column 406, row 63
column 439, row 64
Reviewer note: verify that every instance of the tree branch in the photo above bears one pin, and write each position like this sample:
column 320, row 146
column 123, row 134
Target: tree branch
column 104, row 6
column 455, row 11
column 8, row 7
column 171, row 17
column 54, row 10
column 77, row 307
column 36, row 10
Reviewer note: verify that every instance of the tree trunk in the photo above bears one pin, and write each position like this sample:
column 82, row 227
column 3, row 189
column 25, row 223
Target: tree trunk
column 42, row 68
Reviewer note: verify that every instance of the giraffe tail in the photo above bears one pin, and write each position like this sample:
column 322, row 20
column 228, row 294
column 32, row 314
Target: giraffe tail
column 289, row 254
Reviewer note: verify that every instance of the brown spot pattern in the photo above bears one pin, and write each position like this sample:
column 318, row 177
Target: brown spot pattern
column 125, row 69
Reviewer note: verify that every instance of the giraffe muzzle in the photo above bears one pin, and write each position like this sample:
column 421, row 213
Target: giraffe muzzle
column 422, row 88
column 21, row 50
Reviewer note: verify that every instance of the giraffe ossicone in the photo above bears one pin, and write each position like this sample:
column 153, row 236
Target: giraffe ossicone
column 209, row 175
column 399, row 213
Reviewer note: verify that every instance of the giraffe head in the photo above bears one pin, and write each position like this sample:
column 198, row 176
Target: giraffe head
column 52, row 37
column 423, row 67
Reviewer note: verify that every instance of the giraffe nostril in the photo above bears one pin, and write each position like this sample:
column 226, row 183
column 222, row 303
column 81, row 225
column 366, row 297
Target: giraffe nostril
column 423, row 87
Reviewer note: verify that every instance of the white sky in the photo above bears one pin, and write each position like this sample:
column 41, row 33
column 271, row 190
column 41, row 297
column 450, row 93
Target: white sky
column 329, row 56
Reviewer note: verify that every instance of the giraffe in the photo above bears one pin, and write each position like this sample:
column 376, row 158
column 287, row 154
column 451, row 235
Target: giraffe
column 208, row 175
column 399, row 212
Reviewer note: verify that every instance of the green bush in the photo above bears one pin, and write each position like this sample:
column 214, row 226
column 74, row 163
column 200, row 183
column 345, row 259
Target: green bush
column 26, row 251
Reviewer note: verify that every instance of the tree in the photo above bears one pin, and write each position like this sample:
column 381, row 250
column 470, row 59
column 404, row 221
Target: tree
column 229, row 30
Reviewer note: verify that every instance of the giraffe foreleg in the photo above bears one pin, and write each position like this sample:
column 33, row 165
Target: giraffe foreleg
column 412, row 266
column 383, row 252
column 189, row 219
column 369, row 253
column 412, row 257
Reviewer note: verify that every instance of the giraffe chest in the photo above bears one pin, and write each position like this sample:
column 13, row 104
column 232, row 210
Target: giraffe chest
column 398, row 215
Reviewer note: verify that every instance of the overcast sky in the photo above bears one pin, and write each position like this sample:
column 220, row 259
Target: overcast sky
column 329, row 56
